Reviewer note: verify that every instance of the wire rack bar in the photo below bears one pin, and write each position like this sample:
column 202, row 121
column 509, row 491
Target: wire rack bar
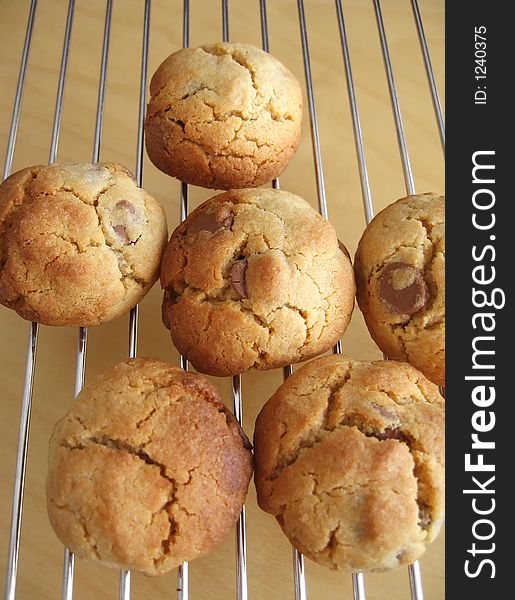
column 30, row 362
column 68, row 574
column 237, row 398
column 82, row 342
column 429, row 71
column 125, row 575
column 60, row 86
column 133, row 318
column 357, row 578
column 265, row 42
column 21, row 462
column 80, row 370
column 401, row 138
column 299, row 575
column 225, row 20
column 358, row 584
column 313, row 120
column 299, row 578
column 140, row 145
column 183, row 569
column 99, row 121
column 183, row 581
column 241, row 533
column 415, row 577
column 125, row 585
column 356, row 122
column 15, row 118
column 415, row 581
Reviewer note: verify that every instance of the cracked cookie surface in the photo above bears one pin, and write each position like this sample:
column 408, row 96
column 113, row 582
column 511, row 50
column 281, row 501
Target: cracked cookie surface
column 349, row 458
column 80, row 244
column 400, row 276
column 148, row 469
column 223, row 116
column 255, row 278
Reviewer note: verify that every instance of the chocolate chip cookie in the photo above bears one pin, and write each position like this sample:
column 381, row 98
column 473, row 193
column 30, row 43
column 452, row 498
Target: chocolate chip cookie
column 255, row 278
column 400, row 276
column 80, row 244
column 148, row 469
column 349, row 458
column 223, row 116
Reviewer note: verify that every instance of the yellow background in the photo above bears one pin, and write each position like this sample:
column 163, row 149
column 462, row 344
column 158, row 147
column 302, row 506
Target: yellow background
column 269, row 554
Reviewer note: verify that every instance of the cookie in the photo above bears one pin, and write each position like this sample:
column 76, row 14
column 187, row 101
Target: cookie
column 255, row 278
column 349, row 458
column 223, row 116
column 400, row 276
column 148, row 469
column 80, row 244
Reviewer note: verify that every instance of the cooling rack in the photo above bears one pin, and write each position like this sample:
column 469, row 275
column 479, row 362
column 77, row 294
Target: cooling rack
column 241, row 584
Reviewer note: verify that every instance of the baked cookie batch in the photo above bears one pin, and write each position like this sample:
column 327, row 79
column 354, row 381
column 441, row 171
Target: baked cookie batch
column 148, row 468
column 223, row 116
column 400, row 276
column 255, row 278
column 349, row 458
column 80, row 244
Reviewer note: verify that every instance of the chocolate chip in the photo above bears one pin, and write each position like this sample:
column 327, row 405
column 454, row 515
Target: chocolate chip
column 388, row 414
column 403, row 288
column 126, row 205
column 121, row 232
column 238, row 272
column 424, row 515
column 211, row 222
column 401, row 554
column 129, row 173
column 390, row 434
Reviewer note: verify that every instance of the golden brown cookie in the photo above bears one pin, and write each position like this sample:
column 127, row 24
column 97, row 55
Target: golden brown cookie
column 223, row 116
column 80, row 244
column 148, row 469
column 255, row 278
column 349, row 458
column 400, row 275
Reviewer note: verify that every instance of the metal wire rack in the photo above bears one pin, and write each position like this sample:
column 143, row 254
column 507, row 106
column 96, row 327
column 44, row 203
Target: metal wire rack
column 299, row 579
